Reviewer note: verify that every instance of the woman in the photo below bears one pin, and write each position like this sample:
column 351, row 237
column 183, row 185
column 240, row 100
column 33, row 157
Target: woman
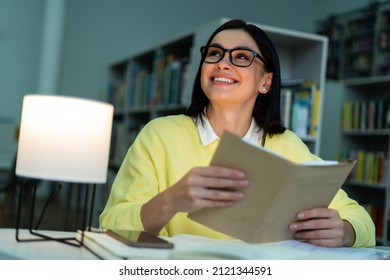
column 165, row 174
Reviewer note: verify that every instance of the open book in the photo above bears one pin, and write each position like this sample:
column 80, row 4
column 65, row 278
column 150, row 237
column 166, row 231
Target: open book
column 192, row 247
column 278, row 190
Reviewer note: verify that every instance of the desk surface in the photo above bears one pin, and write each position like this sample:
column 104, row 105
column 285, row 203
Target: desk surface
column 10, row 249
column 186, row 247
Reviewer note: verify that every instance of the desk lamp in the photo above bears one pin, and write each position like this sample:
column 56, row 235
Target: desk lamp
column 63, row 139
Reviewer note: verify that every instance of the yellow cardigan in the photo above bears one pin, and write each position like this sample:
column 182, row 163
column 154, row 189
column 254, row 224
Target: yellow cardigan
column 167, row 148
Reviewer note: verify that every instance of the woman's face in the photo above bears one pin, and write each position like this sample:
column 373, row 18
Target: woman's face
column 225, row 83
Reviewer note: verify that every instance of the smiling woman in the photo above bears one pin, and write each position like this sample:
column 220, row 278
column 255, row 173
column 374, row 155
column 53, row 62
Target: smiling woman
column 166, row 173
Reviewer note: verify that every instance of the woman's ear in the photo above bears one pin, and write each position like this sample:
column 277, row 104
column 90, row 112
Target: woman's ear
column 266, row 83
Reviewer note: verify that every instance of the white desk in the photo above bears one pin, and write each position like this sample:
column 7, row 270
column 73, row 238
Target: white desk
column 10, row 249
column 186, row 247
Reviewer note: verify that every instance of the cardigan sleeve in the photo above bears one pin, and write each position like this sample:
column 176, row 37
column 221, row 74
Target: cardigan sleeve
column 357, row 216
column 133, row 186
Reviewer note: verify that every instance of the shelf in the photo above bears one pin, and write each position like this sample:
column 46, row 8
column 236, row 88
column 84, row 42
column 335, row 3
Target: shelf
column 378, row 81
column 367, row 132
column 156, row 109
column 364, row 184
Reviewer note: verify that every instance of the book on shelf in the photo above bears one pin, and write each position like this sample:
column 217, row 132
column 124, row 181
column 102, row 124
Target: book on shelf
column 301, row 111
column 371, row 166
column 285, row 104
column 292, row 82
column 363, row 115
column 278, row 190
column 378, row 216
column 156, row 81
column 122, row 138
column 116, row 93
column 300, row 107
column 315, row 116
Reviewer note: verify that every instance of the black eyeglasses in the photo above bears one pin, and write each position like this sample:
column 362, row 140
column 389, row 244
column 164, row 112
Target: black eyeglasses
column 241, row 57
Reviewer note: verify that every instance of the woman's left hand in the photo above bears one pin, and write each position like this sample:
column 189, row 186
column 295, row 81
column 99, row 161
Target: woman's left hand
column 323, row 227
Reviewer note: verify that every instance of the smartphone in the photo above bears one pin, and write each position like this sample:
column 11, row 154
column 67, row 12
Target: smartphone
column 141, row 239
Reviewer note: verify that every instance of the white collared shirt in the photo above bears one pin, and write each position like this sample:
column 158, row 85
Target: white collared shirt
column 208, row 135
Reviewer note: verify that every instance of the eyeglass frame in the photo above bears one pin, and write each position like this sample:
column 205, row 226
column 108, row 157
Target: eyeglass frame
column 255, row 54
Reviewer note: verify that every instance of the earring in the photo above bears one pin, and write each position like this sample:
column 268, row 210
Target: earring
column 265, row 88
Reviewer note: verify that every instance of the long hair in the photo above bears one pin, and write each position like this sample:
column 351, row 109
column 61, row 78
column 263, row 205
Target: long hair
column 266, row 112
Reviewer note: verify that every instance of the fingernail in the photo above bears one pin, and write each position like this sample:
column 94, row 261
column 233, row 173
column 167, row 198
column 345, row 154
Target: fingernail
column 293, row 226
column 239, row 195
column 301, row 215
column 244, row 183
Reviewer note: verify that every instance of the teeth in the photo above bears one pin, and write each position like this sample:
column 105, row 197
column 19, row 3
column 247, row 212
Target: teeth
column 223, row 80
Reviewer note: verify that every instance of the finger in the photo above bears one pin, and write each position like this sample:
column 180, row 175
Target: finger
column 318, row 212
column 220, row 171
column 202, row 197
column 200, row 180
column 319, row 234
column 316, row 224
column 221, row 195
column 215, row 182
column 215, row 194
column 212, row 203
column 328, row 238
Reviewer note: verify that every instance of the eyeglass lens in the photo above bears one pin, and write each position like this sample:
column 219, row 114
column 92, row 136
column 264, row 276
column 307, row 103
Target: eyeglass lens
column 238, row 57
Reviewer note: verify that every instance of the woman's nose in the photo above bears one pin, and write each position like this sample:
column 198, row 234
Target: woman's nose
column 225, row 61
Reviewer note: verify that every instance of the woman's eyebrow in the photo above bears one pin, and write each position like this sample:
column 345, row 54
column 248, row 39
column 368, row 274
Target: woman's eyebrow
column 216, row 45
column 236, row 47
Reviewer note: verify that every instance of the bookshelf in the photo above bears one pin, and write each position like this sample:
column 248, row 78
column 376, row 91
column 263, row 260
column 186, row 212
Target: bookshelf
column 359, row 42
column 358, row 78
column 365, row 136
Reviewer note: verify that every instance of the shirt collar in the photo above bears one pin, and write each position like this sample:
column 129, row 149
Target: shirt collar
column 207, row 134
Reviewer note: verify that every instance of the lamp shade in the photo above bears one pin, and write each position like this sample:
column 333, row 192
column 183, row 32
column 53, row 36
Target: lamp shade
column 64, row 139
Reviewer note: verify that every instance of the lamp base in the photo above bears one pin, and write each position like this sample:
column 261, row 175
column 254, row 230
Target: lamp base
column 73, row 241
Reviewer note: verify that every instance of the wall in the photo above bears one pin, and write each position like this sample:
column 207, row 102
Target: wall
column 21, row 27
column 100, row 32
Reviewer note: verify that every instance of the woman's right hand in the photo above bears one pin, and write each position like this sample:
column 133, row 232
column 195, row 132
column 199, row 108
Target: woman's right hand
column 211, row 186
column 201, row 187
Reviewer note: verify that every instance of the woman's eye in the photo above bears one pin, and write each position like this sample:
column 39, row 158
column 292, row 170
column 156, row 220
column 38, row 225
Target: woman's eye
column 214, row 53
column 241, row 56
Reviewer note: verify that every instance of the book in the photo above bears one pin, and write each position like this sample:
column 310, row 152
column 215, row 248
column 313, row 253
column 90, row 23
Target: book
column 193, row 247
column 278, row 190
column 301, row 110
column 107, row 247
column 285, row 107
column 315, row 116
